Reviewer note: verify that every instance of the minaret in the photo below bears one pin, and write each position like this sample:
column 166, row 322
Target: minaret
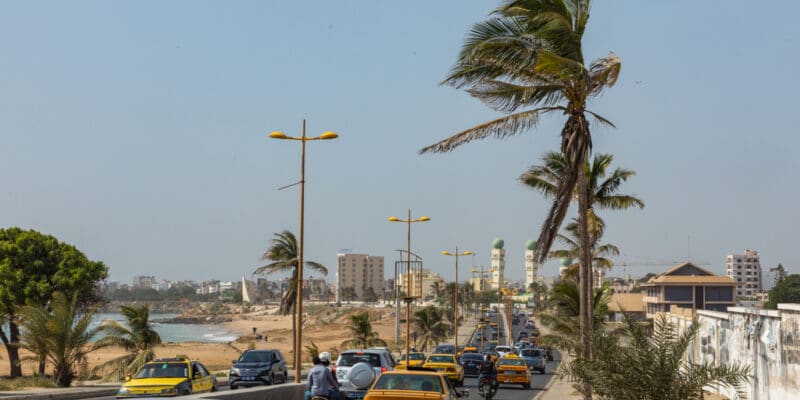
column 498, row 263
column 531, row 267
column 566, row 262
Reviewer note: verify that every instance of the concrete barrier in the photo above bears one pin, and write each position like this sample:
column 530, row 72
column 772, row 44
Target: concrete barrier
column 288, row 391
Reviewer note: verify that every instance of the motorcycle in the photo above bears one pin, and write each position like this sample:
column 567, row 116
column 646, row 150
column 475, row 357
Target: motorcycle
column 487, row 387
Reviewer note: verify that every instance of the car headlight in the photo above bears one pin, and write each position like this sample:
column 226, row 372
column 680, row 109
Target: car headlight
column 234, row 371
column 172, row 390
column 123, row 391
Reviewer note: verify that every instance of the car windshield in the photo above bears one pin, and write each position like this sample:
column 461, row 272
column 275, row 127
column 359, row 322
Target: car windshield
column 505, row 349
column 530, row 353
column 417, row 356
column 350, row 359
column 472, row 357
column 511, row 361
column 163, row 370
column 441, row 359
column 425, row 383
column 255, row 357
column 445, row 349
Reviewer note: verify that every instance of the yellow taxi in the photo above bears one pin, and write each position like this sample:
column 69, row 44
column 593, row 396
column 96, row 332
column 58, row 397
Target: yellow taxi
column 447, row 365
column 167, row 377
column 415, row 383
column 512, row 369
column 415, row 360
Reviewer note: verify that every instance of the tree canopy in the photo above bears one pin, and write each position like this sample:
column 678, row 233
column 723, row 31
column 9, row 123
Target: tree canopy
column 33, row 266
column 786, row 290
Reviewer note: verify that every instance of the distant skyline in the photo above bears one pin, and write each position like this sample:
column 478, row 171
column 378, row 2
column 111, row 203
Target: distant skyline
column 137, row 131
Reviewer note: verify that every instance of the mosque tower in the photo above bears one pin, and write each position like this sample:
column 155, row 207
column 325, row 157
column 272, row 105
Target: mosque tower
column 566, row 262
column 498, row 263
column 531, row 267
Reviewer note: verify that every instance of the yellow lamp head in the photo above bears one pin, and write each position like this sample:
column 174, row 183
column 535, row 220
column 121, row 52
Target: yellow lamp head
column 445, row 253
column 328, row 135
column 394, row 219
column 277, row 135
column 466, row 253
column 424, row 219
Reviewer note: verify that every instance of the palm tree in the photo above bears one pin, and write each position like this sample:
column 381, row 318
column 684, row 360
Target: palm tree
column 529, row 56
column 436, row 288
column 564, row 322
column 604, row 195
column 283, row 254
column 634, row 366
column 62, row 333
column 600, row 253
column 136, row 336
column 362, row 333
column 429, row 323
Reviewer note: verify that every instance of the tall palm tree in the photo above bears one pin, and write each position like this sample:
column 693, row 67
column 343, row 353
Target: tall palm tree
column 63, row 332
column 362, row 334
column 528, row 55
column 563, row 322
column 136, row 336
column 634, row 366
column 430, row 325
column 603, row 192
column 282, row 256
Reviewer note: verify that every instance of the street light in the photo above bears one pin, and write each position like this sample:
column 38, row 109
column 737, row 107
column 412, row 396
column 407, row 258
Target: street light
column 298, row 336
column 455, row 301
column 397, row 294
column 409, row 296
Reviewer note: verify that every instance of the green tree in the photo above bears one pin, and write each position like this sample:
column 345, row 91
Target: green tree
column 33, row 266
column 61, row 334
column 786, row 290
column 634, row 366
column 528, row 55
column 136, row 336
column 430, row 326
column 600, row 252
column 362, row 334
column 603, row 191
column 282, row 256
column 370, row 296
column 349, row 294
column 564, row 320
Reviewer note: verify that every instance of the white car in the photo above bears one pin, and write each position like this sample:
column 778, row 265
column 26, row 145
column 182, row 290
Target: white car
column 503, row 350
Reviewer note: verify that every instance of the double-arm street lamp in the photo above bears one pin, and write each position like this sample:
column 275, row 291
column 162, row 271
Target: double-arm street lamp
column 298, row 335
column 409, row 280
column 455, row 300
column 397, row 293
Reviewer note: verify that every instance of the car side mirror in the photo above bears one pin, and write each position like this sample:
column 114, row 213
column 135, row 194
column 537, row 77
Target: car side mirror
column 233, row 361
column 127, row 378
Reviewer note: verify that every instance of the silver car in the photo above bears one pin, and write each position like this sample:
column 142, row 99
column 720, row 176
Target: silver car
column 357, row 369
column 534, row 358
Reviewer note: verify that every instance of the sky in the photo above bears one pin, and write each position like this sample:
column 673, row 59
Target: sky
column 137, row 131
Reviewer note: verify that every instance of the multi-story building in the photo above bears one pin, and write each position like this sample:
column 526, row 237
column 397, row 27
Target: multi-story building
column 745, row 269
column 144, row 281
column 360, row 272
column 424, row 284
column 688, row 286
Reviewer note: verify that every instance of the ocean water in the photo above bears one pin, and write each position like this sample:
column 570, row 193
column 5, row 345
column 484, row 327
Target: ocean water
column 179, row 332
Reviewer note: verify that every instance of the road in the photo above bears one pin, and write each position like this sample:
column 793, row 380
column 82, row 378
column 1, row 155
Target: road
column 506, row 392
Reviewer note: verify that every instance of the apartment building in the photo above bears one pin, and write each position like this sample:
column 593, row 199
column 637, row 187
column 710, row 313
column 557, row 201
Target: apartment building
column 360, row 272
column 745, row 269
column 424, row 283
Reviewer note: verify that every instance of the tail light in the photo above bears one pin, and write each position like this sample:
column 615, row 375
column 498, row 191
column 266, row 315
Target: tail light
column 383, row 369
column 333, row 369
column 449, row 369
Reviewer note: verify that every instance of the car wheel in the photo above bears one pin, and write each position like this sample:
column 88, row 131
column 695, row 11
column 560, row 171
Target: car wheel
column 233, row 387
column 271, row 380
column 285, row 377
column 526, row 386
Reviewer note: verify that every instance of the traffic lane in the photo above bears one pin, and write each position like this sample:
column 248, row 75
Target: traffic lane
column 220, row 389
column 515, row 392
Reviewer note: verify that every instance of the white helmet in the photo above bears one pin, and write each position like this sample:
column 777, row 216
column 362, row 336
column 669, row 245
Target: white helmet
column 325, row 357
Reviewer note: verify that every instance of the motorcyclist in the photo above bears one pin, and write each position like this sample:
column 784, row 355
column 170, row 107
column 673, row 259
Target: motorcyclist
column 321, row 382
column 488, row 370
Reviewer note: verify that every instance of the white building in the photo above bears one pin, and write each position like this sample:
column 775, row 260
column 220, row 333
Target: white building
column 360, row 272
column 498, row 263
column 745, row 269
column 531, row 266
column 424, row 283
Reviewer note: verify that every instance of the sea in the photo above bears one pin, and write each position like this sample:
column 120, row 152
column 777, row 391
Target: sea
column 178, row 332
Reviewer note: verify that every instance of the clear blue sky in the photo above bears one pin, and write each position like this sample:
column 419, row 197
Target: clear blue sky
column 137, row 131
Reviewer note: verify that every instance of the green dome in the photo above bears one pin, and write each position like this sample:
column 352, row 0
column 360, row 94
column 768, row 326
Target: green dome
column 530, row 245
column 498, row 243
column 566, row 261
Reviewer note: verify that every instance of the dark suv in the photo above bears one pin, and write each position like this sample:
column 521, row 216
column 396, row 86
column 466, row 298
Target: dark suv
column 258, row 367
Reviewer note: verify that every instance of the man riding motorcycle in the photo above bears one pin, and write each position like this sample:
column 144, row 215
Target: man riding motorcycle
column 489, row 371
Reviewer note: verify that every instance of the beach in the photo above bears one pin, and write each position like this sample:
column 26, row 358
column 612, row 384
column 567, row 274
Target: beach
column 324, row 325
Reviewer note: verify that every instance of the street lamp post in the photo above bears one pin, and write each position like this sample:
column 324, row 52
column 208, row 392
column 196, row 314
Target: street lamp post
column 409, row 281
column 298, row 336
column 397, row 294
column 455, row 300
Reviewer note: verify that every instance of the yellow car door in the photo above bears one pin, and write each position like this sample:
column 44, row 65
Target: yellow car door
column 201, row 380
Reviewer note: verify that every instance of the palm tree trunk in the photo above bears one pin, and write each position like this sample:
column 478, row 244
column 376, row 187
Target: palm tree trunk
column 585, row 272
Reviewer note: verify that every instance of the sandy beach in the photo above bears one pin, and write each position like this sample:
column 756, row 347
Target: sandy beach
column 324, row 325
